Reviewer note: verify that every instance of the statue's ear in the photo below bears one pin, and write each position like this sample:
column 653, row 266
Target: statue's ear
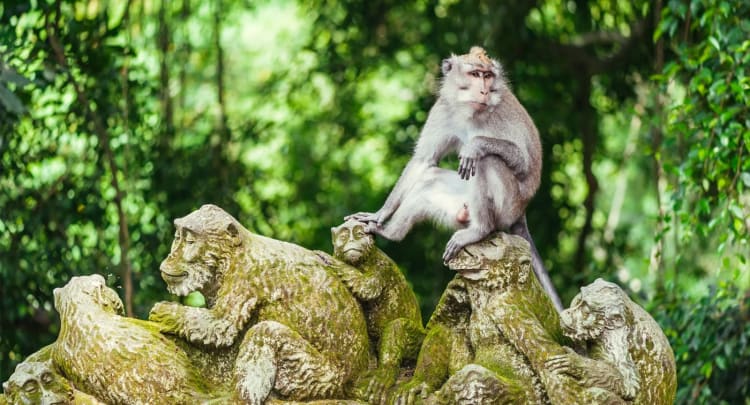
column 234, row 234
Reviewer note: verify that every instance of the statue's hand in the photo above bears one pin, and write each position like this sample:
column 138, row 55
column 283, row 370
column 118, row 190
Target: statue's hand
column 165, row 314
column 568, row 363
column 411, row 392
column 373, row 388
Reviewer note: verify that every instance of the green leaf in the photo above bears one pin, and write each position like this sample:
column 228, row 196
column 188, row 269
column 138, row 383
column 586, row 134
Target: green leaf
column 714, row 42
column 10, row 101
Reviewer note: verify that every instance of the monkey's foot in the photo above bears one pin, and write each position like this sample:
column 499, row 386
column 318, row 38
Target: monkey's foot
column 411, row 393
column 460, row 239
column 373, row 387
column 363, row 217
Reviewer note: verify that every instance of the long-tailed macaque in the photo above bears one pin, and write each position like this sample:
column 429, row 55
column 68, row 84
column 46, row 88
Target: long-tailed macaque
column 500, row 154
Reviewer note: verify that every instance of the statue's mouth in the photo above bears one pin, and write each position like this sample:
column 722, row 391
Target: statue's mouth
column 173, row 276
column 470, row 273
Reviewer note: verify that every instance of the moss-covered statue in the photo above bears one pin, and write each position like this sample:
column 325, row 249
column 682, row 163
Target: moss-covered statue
column 629, row 354
column 39, row 383
column 491, row 331
column 394, row 322
column 119, row 360
column 283, row 324
column 301, row 333
column 495, row 337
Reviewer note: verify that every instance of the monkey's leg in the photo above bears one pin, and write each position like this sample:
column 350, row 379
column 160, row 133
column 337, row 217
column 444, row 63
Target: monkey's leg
column 401, row 339
column 273, row 356
column 487, row 193
column 474, row 384
column 437, row 197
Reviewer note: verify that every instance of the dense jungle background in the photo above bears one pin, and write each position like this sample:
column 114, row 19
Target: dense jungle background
column 118, row 116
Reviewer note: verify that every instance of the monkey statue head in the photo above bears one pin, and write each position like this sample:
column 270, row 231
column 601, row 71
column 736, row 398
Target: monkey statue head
column 38, row 383
column 472, row 82
column 598, row 307
column 87, row 290
column 495, row 262
column 205, row 242
column 351, row 242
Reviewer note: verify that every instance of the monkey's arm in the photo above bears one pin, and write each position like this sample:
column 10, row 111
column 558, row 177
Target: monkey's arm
column 481, row 146
column 366, row 287
column 592, row 373
column 218, row 326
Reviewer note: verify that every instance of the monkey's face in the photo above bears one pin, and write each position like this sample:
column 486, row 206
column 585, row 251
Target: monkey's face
column 351, row 243
column 191, row 263
column 599, row 306
column 38, row 383
column 473, row 81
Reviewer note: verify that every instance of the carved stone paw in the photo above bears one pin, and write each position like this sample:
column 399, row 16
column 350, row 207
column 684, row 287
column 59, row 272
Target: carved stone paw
column 373, row 388
column 568, row 363
column 164, row 313
column 411, row 393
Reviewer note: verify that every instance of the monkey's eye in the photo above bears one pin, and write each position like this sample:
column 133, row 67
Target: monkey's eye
column 30, row 386
column 476, row 73
column 489, row 75
column 47, row 377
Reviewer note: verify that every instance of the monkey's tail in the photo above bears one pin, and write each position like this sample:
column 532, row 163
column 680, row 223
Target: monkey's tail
column 521, row 229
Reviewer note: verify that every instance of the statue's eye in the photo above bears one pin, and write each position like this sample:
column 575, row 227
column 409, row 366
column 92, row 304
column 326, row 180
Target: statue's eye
column 47, row 378
column 30, row 386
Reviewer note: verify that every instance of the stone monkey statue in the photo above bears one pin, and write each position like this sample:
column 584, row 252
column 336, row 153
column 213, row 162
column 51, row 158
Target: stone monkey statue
column 394, row 322
column 629, row 355
column 478, row 116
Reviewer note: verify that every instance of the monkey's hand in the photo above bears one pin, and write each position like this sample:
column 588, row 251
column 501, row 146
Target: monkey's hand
column 469, row 156
column 374, row 218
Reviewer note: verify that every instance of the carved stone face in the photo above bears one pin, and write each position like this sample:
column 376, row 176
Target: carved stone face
column 495, row 260
column 189, row 265
column 351, row 243
column 38, row 383
column 598, row 307
column 202, row 244
column 85, row 289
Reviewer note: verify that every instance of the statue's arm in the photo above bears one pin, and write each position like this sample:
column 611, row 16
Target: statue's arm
column 592, row 373
column 523, row 329
column 364, row 286
column 218, row 326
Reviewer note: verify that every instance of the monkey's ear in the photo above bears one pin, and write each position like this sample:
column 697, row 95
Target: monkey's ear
column 447, row 66
column 234, row 234
column 6, row 387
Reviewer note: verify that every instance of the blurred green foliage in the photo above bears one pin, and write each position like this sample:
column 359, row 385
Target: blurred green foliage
column 118, row 116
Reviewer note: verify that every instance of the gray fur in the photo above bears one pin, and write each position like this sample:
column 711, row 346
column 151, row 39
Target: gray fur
column 477, row 116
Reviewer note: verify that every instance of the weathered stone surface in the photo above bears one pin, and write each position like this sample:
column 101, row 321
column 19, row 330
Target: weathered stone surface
column 306, row 336
column 39, row 383
column 283, row 324
column 629, row 354
column 394, row 321
column 117, row 359
column 491, row 332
